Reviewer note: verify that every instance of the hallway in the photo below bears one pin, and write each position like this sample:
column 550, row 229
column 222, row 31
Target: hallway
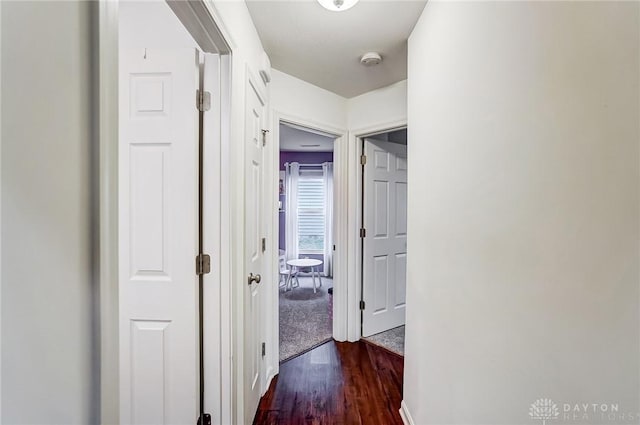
column 140, row 159
column 336, row 383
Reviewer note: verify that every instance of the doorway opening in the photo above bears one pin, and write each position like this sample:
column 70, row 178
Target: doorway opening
column 305, row 239
column 384, row 239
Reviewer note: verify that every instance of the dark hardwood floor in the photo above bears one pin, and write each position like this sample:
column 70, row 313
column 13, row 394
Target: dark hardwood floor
column 336, row 383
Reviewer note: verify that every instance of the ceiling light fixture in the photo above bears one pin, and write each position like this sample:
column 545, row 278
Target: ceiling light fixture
column 337, row 5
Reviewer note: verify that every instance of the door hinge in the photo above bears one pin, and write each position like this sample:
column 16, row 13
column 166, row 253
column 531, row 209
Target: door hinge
column 264, row 137
column 264, row 244
column 203, row 264
column 203, row 100
column 363, row 159
column 206, row 419
column 264, row 349
column 363, row 233
column 362, row 305
column 334, row 247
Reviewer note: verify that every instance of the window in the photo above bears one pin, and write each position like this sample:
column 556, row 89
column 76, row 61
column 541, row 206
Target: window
column 310, row 212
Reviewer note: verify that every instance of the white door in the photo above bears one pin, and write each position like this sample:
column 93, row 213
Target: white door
column 385, row 243
column 254, row 219
column 158, row 152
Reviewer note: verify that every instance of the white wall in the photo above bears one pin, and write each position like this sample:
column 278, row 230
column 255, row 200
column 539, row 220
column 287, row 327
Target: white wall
column 48, row 374
column 294, row 97
column 298, row 98
column 388, row 104
column 523, row 232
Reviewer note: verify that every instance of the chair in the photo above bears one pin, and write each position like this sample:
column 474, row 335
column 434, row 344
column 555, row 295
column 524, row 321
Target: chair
column 286, row 275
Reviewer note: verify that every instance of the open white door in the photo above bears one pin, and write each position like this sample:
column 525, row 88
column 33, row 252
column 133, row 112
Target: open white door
column 158, row 236
column 254, row 248
column 385, row 243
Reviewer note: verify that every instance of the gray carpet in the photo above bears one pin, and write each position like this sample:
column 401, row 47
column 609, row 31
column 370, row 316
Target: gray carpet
column 392, row 340
column 305, row 317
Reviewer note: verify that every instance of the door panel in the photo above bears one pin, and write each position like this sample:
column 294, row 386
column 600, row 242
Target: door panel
column 401, row 276
column 158, row 234
column 149, row 256
column 381, row 209
column 148, row 358
column 381, row 279
column 385, row 245
column 401, row 209
column 254, row 220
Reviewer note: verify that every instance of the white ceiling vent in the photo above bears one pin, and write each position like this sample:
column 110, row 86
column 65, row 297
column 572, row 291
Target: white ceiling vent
column 371, row 59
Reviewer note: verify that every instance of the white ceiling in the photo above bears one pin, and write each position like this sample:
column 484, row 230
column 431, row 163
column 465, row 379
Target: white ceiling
column 324, row 48
column 297, row 140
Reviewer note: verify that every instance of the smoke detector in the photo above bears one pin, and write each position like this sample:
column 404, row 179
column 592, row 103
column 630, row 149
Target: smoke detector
column 337, row 5
column 371, row 59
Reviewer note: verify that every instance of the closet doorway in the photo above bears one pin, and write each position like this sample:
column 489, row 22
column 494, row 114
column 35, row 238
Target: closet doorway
column 306, row 239
column 384, row 245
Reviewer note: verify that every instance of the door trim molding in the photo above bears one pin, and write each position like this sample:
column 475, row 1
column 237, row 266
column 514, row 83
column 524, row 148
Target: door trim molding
column 201, row 24
column 108, row 129
column 0, row 221
column 405, row 415
column 354, row 276
column 227, row 396
column 217, row 297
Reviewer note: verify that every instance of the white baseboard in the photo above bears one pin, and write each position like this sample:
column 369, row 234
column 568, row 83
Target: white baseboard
column 405, row 415
column 271, row 373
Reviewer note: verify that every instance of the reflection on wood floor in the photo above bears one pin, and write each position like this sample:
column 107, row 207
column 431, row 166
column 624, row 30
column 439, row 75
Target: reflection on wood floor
column 336, row 383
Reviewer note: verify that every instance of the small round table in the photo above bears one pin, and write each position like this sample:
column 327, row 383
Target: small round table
column 302, row 263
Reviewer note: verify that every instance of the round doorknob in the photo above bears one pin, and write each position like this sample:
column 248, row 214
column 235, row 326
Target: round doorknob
column 254, row 278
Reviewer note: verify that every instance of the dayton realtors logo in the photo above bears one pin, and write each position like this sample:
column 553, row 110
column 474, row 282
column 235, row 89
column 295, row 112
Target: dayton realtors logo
column 544, row 409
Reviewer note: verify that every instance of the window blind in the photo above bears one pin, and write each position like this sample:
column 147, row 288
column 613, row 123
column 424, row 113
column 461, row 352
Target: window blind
column 310, row 213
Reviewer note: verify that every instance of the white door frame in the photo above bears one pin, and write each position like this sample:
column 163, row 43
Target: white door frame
column 354, row 290
column 207, row 29
column 0, row 224
column 341, row 197
column 108, row 130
